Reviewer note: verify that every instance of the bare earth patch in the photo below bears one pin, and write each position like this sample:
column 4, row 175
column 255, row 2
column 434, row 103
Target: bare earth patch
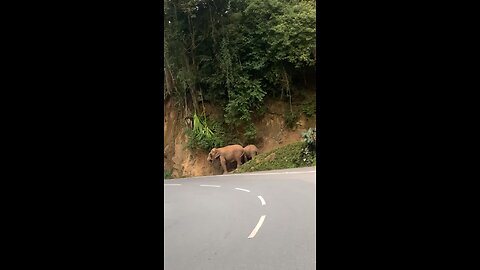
column 271, row 132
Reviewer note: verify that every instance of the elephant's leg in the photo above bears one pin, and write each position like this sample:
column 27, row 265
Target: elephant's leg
column 239, row 161
column 223, row 162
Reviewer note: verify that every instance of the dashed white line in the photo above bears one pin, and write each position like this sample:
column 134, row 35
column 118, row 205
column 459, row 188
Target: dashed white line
column 259, row 224
column 209, row 186
column 172, row 184
column 262, row 200
column 246, row 190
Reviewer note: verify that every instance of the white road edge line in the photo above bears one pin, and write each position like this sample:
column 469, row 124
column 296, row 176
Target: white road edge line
column 172, row 184
column 209, row 186
column 249, row 174
column 259, row 224
column 246, row 190
column 262, row 200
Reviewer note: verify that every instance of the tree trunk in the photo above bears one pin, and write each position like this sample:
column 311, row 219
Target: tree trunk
column 191, row 85
column 287, row 86
column 213, row 24
column 168, row 81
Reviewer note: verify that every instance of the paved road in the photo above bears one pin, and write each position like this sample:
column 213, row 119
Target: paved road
column 219, row 222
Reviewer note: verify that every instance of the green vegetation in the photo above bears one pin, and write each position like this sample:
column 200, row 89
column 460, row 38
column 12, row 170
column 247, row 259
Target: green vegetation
column 310, row 138
column 234, row 53
column 167, row 175
column 294, row 155
column 309, row 108
column 205, row 134
column 250, row 134
column 291, row 119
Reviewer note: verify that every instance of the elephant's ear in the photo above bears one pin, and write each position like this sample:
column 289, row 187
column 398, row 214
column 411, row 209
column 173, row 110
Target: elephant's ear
column 216, row 154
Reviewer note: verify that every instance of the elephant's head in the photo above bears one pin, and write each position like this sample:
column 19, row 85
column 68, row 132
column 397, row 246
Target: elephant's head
column 214, row 153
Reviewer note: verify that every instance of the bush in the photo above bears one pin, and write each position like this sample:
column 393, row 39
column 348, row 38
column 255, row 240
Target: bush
column 308, row 156
column 291, row 119
column 309, row 109
column 259, row 112
column 251, row 134
column 310, row 138
column 205, row 134
column 232, row 137
column 167, row 174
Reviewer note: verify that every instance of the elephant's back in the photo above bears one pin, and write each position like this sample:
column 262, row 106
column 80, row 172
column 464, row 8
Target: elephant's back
column 233, row 147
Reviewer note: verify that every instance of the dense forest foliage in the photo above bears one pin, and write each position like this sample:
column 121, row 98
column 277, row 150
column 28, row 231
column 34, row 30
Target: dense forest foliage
column 233, row 53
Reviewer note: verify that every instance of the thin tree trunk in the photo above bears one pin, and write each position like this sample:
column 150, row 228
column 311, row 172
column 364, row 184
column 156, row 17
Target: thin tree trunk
column 168, row 81
column 287, row 83
column 201, row 99
column 213, row 24
column 186, row 104
column 193, row 67
column 191, row 84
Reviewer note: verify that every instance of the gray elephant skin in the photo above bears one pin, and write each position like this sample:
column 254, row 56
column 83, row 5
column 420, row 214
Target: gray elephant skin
column 226, row 154
column 250, row 152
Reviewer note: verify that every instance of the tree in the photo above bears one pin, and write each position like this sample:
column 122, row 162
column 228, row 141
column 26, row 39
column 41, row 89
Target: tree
column 235, row 52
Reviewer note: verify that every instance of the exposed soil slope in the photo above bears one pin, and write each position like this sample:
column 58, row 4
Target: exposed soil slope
column 271, row 132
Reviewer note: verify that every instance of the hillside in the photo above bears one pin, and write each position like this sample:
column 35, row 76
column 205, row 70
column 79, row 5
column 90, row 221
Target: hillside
column 236, row 72
column 272, row 133
column 293, row 155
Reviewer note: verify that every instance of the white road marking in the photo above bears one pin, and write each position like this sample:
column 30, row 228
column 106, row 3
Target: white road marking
column 246, row 190
column 209, row 186
column 275, row 173
column 259, row 224
column 262, row 200
column 172, row 184
column 249, row 174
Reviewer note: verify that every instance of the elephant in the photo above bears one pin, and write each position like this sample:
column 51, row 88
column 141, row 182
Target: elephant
column 226, row 154
column 250, row 152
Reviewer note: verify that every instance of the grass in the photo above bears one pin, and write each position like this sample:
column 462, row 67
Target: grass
column 294, row 155
column 167, row 175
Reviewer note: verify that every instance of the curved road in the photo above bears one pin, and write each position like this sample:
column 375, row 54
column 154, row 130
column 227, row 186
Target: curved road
column 261, row 220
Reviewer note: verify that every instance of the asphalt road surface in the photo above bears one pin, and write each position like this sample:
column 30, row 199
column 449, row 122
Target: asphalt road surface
column 261, row 220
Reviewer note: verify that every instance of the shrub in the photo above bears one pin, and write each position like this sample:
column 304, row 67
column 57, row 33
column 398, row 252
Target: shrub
column 309, row 109
column 308, row 156
column 250, row 134
column 232, row 137
column 167, row 174
column 310, row 138
column 205, row 134
column 291, row 119
column 262, row 110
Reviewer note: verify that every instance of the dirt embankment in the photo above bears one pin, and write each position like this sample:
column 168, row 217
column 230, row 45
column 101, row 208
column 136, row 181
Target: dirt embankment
column 271, row 132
